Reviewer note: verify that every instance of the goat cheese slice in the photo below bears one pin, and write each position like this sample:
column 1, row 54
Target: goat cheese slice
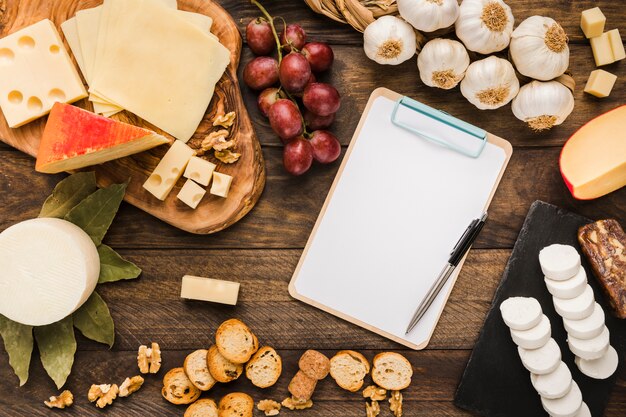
column 590, row 349
column 555, row 384
column 521, row 313
column 576, row 308
column 566, row 406
column 543, row 360
column 535, row 337
column 600, row 368
column 559, row 262
column 587, row 328
column 569, row 288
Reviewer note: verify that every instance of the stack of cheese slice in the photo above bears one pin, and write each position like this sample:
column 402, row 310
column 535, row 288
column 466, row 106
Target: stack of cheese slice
column 146, row 57
column 583, row 318
column 541, row 356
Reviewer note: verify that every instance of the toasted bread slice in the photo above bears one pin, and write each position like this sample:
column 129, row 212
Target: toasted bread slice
column 302, row 386
column 178, row 389
column 315, row 364
column 391, row 371
column 204, row 407
column 236, row 404
column 264, row 368
column 197, row 370
column 235, row 341
column 221, row 369
column 349, row 368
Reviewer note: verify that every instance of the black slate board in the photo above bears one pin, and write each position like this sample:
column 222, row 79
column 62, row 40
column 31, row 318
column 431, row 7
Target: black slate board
column 495, row 383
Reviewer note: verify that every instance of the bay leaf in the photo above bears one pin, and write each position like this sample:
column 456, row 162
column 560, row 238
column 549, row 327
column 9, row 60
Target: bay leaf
column 96, row 212
column 113, row 267
column 18, row 342
column 94, row 320
column 57, row 346
column 68, row 193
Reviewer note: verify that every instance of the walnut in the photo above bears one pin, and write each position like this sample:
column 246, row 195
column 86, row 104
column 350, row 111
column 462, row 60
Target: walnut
column 227, row 156
column 103, row 394
column 395, row 403
column 269, row 407
column 214, row 138
column 372, row 409
column 375, row 393
column 296, row 404
column 65, row 399
column 130, row 385
column 149, row 358
column 225, row 120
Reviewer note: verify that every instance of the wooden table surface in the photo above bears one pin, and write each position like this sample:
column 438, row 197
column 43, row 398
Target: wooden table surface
column 262, row 250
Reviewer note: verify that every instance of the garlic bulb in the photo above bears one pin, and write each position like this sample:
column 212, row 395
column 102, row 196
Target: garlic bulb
column 442, row 63
column 484, row 26
column 543, row 104
column 429, row 15
column 389, row 40
column 490, row 83
column 539, row 48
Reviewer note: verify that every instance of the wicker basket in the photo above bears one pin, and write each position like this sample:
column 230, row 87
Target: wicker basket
column 357, row 13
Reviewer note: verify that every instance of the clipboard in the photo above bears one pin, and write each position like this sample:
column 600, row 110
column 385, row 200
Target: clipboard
column 411, row 181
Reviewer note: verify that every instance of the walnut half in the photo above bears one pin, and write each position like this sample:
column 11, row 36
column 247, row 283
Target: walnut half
column 395, row 403
column 149, row 358
column 269, row 407
column 130, row 385
column 65, row 399
column 103, row 394
column 225, row 120
column 295, row 404
column 375, row 393
column 372, row 409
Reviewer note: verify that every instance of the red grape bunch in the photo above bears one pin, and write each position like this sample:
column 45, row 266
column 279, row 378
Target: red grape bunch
column 288, row 85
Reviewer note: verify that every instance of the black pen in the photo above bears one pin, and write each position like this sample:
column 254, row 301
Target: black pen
column 459, row 251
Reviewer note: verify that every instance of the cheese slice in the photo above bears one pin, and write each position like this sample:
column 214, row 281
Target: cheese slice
column 75, row 138
column 586, row 328
column 593, row 161
column 576, row 308
column 590, row 349
column 600, row 368
column 543, row 360
column 521, row 313
column 566, row 406
column 555, row 384
column 535, row 337
column 207, row 289
column 70, row 31
column 559, row 262
column 49, row 269
column 569, row 288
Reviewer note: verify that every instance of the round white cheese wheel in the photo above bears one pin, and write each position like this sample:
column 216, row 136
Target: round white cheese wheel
column 583, row 411
column 586, row 328
column 555, row 384
column 559, row 262
column 576, row 308
column 542, row 360
column 535, row 337
column 566, row 406
column 49, row 269
column 600, row 368
column 590, row 349
column 521, row 313
column 569, row 288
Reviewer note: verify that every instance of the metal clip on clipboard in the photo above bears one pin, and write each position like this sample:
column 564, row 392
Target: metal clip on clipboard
column 472, row 131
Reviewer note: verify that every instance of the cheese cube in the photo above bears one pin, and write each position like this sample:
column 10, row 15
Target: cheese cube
column 191, row 194
column 35, row 72
column 200, row 170
column 169, row 170
column 602, row 52
column 600, row 83
column 617, row 46
column 207, row 289
column 592, row 22
column 221, row 184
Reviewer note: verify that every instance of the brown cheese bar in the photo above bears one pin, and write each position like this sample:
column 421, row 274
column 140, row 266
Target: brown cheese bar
column 604, row 244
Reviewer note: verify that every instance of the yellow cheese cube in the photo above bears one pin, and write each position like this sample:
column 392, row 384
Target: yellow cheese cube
column 200, row 170
column 602, row 52
column 207, row 289
column 169, row 170
column 221, row 184
column 600, row 83
column 191, row 194
column 592, row 22
column 617, row 46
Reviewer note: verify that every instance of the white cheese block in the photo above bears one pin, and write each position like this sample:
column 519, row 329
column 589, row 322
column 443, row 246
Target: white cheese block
column 169, row 170
column 543, row 360
column 566, row 406
column 559, row 262
column 583, row 411
column 49, row 267
column 200, row 170
column 555, row 384
column 535, row 337
column 590, row 349
column 221, row 184
column 207, row 289
column 586, row 328
column 521, row 313
column 569, row 288
column 600, row 368
column 576, row 308
column 191, row 194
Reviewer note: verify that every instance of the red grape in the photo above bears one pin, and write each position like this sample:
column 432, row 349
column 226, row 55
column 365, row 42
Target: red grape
column 298, row 156
column 285, row 119
column 319, row 55
column 294, row 72
column 293, row 35
column 260, row 37
column 316, row 122
column 267, row 97
column 261, row 72
column 326, row 147
column 322, row 99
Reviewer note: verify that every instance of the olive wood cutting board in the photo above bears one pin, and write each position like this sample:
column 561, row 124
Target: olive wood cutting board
column 495, row 383
column 214, row 213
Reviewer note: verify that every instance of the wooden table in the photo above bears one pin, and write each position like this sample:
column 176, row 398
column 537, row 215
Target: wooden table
column 262, row 250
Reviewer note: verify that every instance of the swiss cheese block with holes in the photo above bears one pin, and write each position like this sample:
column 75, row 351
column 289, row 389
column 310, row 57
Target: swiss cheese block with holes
column 535, row 337
column 589, row 349
column 569, row 288
column 576, row 308
column 48, row 269
column 542, row 360
column 555, row 384
column 559, row 262
column 35, row 72
column 521, row 313
column 169, row 170
column 600, row 368
column 586, row 328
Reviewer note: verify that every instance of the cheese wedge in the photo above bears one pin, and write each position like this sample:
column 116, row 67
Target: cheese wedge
column 75, row 138
column 593, row 161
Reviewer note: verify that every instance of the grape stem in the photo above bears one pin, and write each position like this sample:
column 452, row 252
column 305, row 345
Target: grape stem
column 271, row 22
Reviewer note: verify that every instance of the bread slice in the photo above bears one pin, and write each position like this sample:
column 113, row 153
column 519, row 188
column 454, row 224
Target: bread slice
column 349, row 368
column 235, row 341
column 264, row 368
column 197, row 370
column 178, row 389
column 204, row 407
column 236, row 404
column 221, row 369
column 302, row 386
column 391, row 371
column 315, row 364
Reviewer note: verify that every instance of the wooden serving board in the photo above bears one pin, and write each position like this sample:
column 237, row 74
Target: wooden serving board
column 214, row 213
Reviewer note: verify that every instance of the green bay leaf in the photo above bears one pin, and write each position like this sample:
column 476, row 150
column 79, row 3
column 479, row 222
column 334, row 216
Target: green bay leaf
column 94, row 320
column 68, row 193
column 57, row 346
column 96, row 212
column 113, row 267
column 18, row 342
